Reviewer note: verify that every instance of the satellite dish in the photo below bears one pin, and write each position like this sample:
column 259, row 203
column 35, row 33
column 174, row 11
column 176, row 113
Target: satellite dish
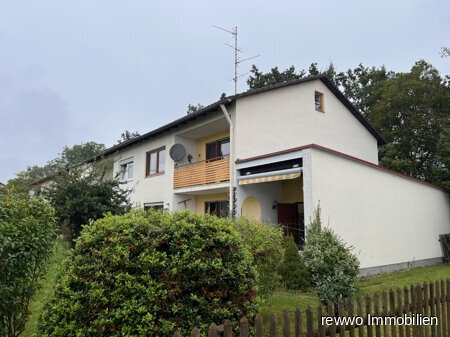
column 177, row 152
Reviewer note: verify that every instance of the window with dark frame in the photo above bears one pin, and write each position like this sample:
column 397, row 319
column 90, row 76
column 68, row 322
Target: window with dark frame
column 156, row 162
column 219, row 208
column 155, row 207
column 218, row 149
column 318, row 101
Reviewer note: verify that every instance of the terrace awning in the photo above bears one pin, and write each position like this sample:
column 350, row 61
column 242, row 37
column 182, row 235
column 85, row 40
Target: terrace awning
column 270, row 176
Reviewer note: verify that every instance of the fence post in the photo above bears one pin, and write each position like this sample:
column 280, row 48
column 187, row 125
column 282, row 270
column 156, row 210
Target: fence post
column 272, row 325
column 385, row 313
column 432, row 308
column 195, row 332
column 259, row 326
column 309, row 322
column 448, row 307
column 320, row 325
column 368, row 311
column 286, row 325
column 341, row 313
column 426, row 308
column 376, row 300
column 420, row 308
column 298, row 323
column 443, row 309
column 438, row 307
column 243, row 327
column 351, row 314
column 331, row 313
column 359, row 309
column 212, row 330
column 392, row 311
column 227, row 329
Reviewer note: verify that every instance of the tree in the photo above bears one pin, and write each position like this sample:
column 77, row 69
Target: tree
column 78, row 153
column 127, row 135
column 27, row 235
column 82, row 195
column 293, row 272
column 259, row 79
column 193, row 108
column 362, row 86
column 67, row 158
column 412, row 116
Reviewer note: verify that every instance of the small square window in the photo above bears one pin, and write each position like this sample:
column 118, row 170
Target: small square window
column 154, row 206
column 318, row 101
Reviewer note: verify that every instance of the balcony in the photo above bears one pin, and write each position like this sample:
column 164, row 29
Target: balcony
column 202, row 173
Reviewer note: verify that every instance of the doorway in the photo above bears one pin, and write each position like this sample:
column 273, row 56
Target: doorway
column 291, row 218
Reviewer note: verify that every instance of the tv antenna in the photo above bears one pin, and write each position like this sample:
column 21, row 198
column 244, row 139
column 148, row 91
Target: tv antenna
column 237, row 50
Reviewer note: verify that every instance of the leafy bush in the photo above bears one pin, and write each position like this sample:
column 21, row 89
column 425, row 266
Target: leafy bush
column 292, row 270
column 147, row 275
column 265, row 242
column 333, row 267
column 27, row 235
column 80, row 196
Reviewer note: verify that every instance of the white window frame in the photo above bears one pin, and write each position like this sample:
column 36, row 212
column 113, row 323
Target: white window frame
column 124, row 169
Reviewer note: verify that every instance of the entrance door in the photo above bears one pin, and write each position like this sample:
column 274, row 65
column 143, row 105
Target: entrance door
column 288, row 217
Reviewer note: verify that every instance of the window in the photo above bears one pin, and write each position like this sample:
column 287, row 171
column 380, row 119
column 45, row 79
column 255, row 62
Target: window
column 156, row 162
column 156, row 206
column 218, row 149
column 126, row 169
column 318, row 101
column 218, row 208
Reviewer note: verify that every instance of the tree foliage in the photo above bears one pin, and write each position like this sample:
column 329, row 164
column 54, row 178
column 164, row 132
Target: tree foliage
column 27, row 234
column 193, row 108
column 412, row 115
column 265, row 242
column 293, row 272
column 82, row 195
column 151, row 274
column 67, row 158
column 127, row 135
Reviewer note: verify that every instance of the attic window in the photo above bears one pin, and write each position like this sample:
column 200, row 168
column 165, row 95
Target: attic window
column 318, row 101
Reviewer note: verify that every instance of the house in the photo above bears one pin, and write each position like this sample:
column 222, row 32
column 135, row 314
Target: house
column 275, row 153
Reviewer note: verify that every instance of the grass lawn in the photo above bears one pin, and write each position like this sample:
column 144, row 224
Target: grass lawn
column 41, row 297
column 276, row 303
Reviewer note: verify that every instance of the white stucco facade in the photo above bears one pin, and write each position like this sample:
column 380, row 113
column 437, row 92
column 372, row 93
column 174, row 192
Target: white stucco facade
column 388, row 218
column 286, row 118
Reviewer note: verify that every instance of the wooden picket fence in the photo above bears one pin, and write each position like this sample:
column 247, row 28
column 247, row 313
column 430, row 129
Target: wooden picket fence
column 431, row 299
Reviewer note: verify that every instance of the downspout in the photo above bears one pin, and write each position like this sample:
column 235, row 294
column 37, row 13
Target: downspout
column 230, row 122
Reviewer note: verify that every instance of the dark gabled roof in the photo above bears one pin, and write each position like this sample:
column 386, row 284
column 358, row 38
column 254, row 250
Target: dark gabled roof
column 228, row 100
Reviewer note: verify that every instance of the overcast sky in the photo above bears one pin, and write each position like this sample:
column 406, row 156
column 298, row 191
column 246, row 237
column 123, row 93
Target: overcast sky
column 79, row 71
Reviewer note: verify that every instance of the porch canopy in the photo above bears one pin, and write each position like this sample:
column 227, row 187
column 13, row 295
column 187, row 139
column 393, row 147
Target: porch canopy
column 270, row 176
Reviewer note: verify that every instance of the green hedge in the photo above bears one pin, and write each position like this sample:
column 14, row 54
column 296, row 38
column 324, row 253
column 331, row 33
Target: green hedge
column 141, row 274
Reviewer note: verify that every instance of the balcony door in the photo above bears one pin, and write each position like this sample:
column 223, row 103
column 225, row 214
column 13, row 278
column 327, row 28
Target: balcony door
column 218, row 149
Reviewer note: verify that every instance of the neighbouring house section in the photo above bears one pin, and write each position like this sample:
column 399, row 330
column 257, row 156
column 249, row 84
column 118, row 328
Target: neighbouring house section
column 392, row 220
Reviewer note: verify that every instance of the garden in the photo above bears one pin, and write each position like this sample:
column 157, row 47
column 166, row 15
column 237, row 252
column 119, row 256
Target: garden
column 154, row 273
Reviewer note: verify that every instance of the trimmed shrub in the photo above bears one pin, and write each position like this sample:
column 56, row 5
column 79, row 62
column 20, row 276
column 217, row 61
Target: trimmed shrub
column 293, row 272
column 27, row 236
column 332, row 265
column 151, row 274
column 265, row 242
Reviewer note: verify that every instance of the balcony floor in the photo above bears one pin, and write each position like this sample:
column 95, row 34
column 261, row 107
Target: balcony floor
column 204, row 189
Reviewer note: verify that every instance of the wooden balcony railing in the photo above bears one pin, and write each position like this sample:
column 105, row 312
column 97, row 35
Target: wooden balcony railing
column 201, row 173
